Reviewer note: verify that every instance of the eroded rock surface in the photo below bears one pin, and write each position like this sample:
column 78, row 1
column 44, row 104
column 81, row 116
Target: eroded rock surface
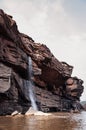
column 54, row 88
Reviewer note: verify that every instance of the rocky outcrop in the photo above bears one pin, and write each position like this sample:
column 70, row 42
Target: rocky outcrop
column 54, row 88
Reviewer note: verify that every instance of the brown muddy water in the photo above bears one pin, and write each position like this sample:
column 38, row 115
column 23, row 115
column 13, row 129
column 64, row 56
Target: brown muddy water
column 56, row 121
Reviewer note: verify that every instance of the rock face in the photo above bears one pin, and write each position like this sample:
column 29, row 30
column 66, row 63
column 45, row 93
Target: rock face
column 54, row 88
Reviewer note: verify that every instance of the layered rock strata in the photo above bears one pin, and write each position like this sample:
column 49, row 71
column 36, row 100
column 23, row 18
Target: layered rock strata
column 54, row 88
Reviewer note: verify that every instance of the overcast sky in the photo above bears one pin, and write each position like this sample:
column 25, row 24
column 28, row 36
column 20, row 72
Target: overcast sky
column 60, row 24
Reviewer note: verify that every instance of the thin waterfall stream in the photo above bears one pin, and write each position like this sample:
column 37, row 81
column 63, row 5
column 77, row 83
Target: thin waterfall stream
column 31, row 85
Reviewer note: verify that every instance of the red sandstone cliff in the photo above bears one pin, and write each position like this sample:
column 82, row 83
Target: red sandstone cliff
column 55, row 89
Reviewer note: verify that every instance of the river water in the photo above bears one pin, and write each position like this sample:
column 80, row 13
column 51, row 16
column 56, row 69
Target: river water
column 56, row 121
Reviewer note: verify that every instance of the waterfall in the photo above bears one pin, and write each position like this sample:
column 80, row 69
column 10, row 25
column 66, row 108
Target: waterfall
column 31, row 85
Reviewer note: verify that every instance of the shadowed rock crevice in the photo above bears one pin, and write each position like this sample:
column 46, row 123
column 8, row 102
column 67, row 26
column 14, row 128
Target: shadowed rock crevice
column 54, row 88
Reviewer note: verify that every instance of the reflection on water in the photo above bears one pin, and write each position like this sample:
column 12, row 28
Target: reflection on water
column 56, row 121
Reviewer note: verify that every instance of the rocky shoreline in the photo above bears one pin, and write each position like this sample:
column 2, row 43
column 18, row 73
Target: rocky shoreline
column 54, row 88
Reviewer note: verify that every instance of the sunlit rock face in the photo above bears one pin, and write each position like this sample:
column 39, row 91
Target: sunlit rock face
column 54, row 88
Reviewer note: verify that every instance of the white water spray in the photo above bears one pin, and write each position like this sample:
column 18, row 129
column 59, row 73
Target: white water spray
column 31, row 85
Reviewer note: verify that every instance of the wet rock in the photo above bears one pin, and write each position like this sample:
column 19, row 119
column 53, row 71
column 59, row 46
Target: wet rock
column 15, row 113
column 30, row 112
column 54, row 88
